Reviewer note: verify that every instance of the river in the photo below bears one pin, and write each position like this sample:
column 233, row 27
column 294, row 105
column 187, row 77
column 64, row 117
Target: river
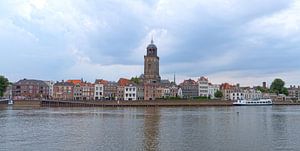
column 259, row 128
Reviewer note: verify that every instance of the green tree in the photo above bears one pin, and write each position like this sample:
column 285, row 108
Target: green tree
column 136, row 80
column 277, row 87
column 3, row 85
column 263, row 90
column 218, row 94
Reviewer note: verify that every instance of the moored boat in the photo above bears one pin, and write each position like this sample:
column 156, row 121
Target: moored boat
column 253, row 102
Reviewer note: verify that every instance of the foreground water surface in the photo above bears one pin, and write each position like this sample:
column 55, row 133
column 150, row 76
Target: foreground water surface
column 203, row 128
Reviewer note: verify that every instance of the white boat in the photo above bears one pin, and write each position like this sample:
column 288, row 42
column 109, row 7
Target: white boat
column 10, row 102
column 253, row 102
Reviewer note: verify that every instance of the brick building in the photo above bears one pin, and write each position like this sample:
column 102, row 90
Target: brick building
column 30, row 89
column 63, row 90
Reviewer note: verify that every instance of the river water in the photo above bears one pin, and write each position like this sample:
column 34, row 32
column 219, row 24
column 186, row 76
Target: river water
column 168, row 129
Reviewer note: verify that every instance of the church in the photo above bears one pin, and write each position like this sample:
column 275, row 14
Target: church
column 152, row 78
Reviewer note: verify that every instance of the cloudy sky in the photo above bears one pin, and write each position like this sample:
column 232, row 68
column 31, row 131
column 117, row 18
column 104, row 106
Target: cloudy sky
column 237, row 41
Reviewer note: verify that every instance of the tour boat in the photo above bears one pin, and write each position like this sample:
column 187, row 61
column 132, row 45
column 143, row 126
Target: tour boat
column 253, row 102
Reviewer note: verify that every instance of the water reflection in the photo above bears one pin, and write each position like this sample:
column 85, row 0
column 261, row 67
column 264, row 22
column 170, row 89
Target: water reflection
column 151, row 129
column 279, row 127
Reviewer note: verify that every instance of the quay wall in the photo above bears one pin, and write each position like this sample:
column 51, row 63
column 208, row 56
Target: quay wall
column 156, row 103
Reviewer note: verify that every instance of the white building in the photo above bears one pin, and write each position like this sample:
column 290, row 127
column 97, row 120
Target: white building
column 203, row 87
column 179, row 93
column 130, row 92
column 212, row 89
column 251, row 94
column 50, row 84
column 236, row 96
column 99, row 92
column 8, row 92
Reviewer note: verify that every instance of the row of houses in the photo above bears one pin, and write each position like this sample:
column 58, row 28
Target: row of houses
column 125, row 89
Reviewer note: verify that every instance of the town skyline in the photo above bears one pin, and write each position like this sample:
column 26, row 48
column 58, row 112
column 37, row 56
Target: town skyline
column 224, row 41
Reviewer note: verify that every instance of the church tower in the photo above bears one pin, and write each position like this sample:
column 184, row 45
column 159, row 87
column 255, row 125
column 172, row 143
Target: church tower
column 151, row 73
column 151, row 64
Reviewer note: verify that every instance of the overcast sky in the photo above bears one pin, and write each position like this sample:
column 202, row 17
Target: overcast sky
column 236, row 41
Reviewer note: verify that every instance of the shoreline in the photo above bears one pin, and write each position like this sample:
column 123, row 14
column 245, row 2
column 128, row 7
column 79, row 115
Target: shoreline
column 157, row 103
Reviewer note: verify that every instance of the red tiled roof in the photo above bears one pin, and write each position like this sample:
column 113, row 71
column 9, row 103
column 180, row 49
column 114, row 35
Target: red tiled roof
column 74, row 81
column 101, row 81
column 123, row 82
column 226, row 86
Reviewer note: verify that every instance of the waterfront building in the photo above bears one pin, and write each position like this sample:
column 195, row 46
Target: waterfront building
column 130, row 92
column 190, row 88
column 212, row 89
column 151, row 77
column 77, row 90
column 122, row 82
column 63, row 90
column 8, row 92
column 252, row 94
column 50, row 84
column 30, row 89
column 179, row 93
column 226, row 89
column 88, row 90
column 83, row 90
column 140, row 92
column 203, row 87
column 99, row 89
column 294, row 92
column 236, row 95
column 110, row 90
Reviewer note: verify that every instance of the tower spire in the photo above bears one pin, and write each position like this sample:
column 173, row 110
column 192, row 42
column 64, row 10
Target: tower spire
column 174, row 78
column 152, row 40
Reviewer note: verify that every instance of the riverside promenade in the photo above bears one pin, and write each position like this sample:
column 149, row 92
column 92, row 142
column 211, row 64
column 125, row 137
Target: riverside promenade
column 156, row 103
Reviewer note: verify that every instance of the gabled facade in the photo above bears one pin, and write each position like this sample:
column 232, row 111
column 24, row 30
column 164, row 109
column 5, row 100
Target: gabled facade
column 189, row 89
column 110, row 90
column 63, row 91
column 203, row 87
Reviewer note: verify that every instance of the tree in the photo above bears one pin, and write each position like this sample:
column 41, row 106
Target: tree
column 261, row 89
column 218, row 94
column 277, row 87
column 3, row 85
column 136, row 80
